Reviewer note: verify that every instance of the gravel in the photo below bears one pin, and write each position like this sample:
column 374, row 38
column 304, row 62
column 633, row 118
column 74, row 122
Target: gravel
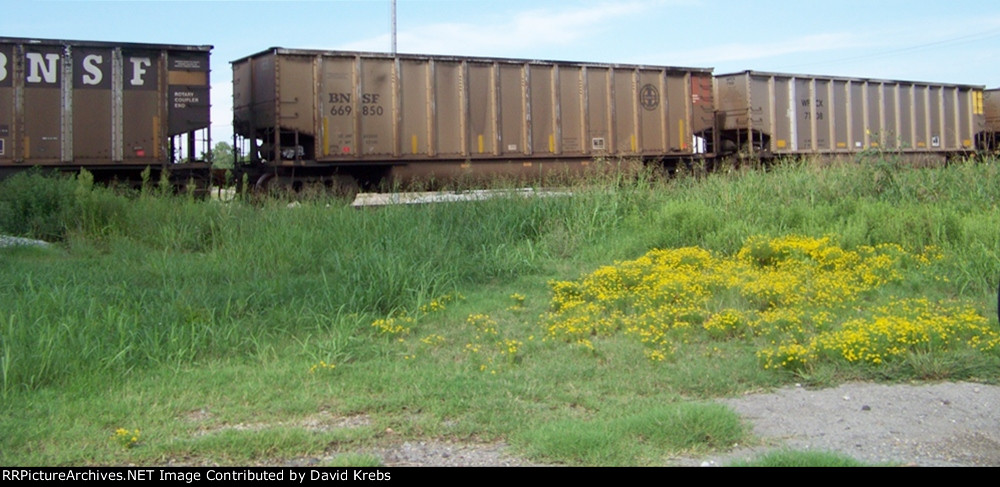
column 450, row 454
column 945, row 424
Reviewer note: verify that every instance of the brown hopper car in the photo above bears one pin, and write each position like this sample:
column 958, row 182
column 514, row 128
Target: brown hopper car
column 794, row 114
column 112, row 108
column 989, row 138
column 369, row 116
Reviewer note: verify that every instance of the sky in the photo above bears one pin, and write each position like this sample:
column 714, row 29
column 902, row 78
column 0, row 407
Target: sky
column 948, row 41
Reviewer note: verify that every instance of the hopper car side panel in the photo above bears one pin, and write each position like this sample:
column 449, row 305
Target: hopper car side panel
column 988, row 138
column 793, row 114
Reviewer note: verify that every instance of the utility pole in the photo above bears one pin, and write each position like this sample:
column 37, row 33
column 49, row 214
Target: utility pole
column 393, row 27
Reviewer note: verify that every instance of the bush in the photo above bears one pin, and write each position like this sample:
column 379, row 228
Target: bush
column 36, row 204
column 50, row 205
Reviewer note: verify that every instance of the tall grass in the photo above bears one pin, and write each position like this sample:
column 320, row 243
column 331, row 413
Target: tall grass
column 153, row 279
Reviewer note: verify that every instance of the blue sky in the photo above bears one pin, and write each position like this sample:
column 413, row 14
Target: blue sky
column 955, row 41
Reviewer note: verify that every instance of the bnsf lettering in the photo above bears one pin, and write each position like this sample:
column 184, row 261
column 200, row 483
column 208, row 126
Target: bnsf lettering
column 371, row 98
column 93, row 75
column 42, row 67
column 139, row 65
column 340, row 97
column 340, row 104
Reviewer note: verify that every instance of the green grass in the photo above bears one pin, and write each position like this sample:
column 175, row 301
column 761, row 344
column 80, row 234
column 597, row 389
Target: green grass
column 186, row 318
column 644, row 437
column 353, row 460
column 793, row 458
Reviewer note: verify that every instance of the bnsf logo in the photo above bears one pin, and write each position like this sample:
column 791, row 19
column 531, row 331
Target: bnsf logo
column 43, row 68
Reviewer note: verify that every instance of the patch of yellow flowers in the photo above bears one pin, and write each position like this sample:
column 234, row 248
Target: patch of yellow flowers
column 394, row 325
column 127, row 439
column 518, row 299
column 439, row 303
column 800, row 294
column 401, row 323
column 488, row 348
column 320, row 366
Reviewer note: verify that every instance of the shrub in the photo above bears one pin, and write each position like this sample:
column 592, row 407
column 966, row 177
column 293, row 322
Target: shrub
column 36, row 204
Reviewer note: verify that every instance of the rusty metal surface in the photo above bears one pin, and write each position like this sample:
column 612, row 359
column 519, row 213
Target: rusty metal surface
column 802, row 114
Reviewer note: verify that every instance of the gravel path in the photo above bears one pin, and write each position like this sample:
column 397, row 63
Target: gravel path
column 946, row 424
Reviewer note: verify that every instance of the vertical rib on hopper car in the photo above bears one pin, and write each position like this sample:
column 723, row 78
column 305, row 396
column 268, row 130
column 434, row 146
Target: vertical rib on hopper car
column 114, row 108
column 791, row 114
column 407, row 115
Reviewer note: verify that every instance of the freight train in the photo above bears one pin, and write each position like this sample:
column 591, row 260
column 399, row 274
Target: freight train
column 349, row 118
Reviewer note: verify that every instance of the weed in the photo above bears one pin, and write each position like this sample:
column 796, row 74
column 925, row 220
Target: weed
column 353, row 460
column 125, row 438
column 321, row 366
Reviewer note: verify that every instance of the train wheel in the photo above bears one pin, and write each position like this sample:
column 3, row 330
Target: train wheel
column 264, row 183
